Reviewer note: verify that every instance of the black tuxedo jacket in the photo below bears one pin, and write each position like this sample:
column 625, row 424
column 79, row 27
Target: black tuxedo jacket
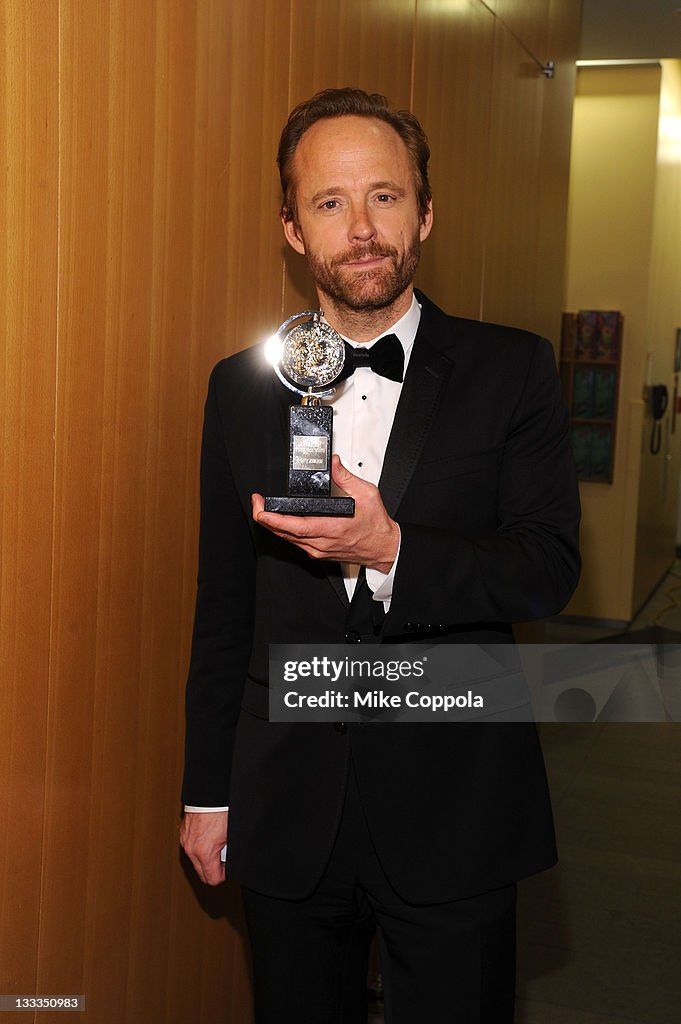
column 478, row 473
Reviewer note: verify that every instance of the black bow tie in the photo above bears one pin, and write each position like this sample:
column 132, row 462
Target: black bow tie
column 385, row 357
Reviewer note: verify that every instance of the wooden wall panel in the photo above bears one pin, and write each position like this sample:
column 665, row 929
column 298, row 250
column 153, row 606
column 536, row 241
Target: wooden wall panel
column 236, row 298
column 511, row 222
column 554, row 174
column 529, row 22
column 500, row 164
column 527, row 186
column 362, row 43
column 453, row 70
column 144, row 314
column 257, row 89
column 28, row 289
column 78, row 708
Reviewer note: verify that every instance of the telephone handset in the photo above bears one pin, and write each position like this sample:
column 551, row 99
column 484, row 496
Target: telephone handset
column 659, row 399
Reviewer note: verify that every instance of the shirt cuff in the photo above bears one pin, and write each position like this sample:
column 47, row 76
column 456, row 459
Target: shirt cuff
column 203, row 810
column 381, row 583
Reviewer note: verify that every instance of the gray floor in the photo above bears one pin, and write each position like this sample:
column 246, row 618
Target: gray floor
column 599, row 937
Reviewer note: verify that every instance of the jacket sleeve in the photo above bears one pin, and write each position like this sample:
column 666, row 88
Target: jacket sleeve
column 223, row 623
column 529, row 567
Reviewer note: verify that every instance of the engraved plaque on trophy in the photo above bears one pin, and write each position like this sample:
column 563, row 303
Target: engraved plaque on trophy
column 308, row 358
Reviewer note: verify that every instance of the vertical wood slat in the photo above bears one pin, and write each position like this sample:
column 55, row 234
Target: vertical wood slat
column 454, row 57
column 368, row 46
column 554, row 158
column 77, row 709
column 139, row 220
column 511, row 223
column 528, row 23
column 28, row 342
column 170, row 256
column 240, row 301
column 257, row 95
column 527, row 185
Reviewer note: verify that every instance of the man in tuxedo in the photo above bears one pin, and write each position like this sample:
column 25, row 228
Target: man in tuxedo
column 453, row 441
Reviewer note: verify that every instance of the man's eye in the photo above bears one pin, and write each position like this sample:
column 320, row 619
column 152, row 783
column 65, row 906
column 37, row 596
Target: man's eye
column 384, row 198
column 330, row 204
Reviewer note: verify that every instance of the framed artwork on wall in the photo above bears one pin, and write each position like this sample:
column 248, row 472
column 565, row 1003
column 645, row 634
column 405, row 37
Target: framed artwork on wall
column 589, row 369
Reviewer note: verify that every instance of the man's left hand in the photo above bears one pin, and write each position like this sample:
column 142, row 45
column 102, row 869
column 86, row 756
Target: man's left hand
column 369, row 538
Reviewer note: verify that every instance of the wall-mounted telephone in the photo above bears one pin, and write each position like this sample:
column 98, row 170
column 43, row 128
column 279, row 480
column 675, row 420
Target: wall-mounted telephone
column 659, row 399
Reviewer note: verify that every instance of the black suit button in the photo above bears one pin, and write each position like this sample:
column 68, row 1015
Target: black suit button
column 340, row 727
column 353, row 637
column 409, row 627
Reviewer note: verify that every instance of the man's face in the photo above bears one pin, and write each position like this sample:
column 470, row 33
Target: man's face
column 358, row 222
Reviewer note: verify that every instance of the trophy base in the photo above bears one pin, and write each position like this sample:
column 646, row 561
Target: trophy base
column 304, row 506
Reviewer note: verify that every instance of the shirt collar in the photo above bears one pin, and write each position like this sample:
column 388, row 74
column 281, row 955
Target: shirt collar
column 405, row 329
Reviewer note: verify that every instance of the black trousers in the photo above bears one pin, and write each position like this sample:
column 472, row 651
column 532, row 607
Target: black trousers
column 449, row 963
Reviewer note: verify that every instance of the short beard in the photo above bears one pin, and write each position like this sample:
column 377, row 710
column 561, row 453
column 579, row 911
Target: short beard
column 371, row 289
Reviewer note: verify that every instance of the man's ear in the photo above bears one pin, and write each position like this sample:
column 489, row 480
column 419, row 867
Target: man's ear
column 427, row 222
column 293, row 236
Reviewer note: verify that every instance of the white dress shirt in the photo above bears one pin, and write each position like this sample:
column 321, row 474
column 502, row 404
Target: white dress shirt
column 364, row 407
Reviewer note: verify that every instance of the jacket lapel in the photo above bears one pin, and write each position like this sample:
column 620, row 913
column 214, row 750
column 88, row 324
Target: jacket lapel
column 424, row 385
column 335, row 578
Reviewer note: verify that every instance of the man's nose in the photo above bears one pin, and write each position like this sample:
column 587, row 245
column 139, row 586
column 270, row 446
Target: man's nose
column 362, row 227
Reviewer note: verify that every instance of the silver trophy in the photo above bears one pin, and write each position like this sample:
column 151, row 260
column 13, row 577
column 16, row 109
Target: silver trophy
column 308, row 358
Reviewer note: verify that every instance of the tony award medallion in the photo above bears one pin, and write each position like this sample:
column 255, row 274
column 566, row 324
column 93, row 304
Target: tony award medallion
column 308, row 357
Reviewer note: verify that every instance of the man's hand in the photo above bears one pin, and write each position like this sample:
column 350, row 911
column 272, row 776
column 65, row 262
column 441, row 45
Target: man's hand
column 202, row 836
column 369, row 538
